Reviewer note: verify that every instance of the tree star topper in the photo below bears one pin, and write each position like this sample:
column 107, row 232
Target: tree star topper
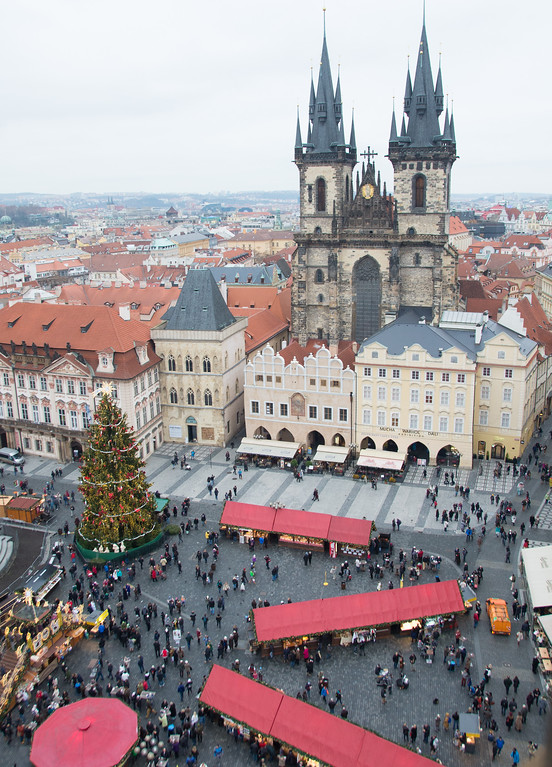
column 105, row 388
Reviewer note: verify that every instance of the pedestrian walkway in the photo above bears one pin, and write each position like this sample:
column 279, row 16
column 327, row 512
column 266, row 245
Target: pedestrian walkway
column 487, row 481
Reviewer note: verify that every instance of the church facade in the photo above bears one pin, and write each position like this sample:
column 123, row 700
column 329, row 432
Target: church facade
column 364, row 256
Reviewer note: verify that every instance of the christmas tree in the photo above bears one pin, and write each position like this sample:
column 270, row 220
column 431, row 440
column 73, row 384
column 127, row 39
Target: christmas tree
column 119, row 511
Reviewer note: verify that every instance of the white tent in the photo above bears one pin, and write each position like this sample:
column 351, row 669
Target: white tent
column 537, row 564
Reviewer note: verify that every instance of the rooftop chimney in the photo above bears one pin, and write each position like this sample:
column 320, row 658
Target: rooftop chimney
column 124, row 311
column 478, row 333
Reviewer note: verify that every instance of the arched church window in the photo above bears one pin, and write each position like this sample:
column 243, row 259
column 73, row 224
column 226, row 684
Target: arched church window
column 190, row 396
column 320, row 298
column 206, row 365
column 417, row 259
column 208, row 398
column 346, row 188
column 189, row 364
column 319, row 276
column 173, row 396
column 171, row 362
column 320, row 194
column 419, row 191
column 317, row 230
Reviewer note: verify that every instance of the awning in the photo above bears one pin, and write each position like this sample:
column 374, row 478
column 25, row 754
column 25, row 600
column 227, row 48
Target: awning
column 307, row 729
column 380, row 459
column 271, row 447
column 537, row 563
column 469, row 724
column 355, row 611
column 307, row 524
column 331, row 454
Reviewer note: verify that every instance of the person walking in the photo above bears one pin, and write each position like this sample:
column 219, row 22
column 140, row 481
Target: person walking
column 515, row 757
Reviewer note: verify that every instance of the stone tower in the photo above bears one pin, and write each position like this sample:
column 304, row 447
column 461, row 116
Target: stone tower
column 364, row 255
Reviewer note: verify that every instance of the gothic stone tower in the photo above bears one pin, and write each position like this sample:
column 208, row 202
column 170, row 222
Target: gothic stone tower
column 360, row 258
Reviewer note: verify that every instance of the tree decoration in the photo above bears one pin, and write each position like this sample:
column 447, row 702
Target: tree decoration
column 118, row 506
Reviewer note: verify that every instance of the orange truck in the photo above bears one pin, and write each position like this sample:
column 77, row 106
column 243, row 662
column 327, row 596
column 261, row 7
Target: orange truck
column 497, row 611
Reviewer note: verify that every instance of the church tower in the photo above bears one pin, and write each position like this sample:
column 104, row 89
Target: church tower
column 364, row 256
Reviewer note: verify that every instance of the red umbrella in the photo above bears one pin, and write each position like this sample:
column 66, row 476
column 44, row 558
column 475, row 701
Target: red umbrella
column 94, row 732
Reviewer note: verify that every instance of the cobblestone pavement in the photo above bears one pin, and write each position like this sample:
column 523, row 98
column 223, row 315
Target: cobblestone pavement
column 352, row 674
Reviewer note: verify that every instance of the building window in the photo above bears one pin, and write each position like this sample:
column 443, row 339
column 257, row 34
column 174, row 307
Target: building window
column 461, row 377
column 84, row 419
column 206, row 365
column 487, row 372
column 188, row 364
column 508, row 373
column 445, row 398
column 394, row 418
column 396, row 373
column 38, row 445
column 173, row 396
column 171, row 363
column 36, row 414
column 190, row 397
column 413, row 421
column 334, row 383
column 283, row 409
column 152, row 409
column 415, row 375
column 143, row 383
column 21, row 381
column 255, row 407
column 6, row 379
column 429, row 397
column 319, row 276
column 395, row 394
column 9, row 409
column 414, row 396
column 343, row 414
column 135, row 387
column 483, row 417
column 61, row 417
column 49, row 447
column 82, row 388
column 381, row 417
column 32, row 382
column 158, row 405
column 367, row 417
column 323, row 382
column 507, row 394
column 208, row 398
column 375, row 355
column 74, row 419
column 443, row 423
column 445, row 377
column 145, row 415
column 59, row 386
column 505, row 420
column 419, row 191
column 382, row 393
column 320, row 194
column 460, row 399
column 114, row 391
column 1, row 409
column 328, row 414
column 46, row 414
column 366, row 392
column 24, row 411
column 485, row 392
column 26, row 443
column 269, row 408
column 428, row 423
column 502, row 354
column 259, row 378
column 458, row 425
column 70, row 386
column 382, row 373
column 367, row 372
column 138, row 420
column 429, row 375
column 313, row 411
column 149, row 378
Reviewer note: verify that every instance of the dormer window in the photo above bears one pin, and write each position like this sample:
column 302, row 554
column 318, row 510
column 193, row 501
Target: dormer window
column 104, row 361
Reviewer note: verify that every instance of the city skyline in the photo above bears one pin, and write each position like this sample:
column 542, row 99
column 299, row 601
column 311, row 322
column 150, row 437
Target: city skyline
column 129, row 97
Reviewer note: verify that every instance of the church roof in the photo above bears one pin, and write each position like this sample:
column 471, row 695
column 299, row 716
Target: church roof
column 200, row 305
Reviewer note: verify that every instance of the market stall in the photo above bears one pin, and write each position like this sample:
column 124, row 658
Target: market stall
column 94, row 732
column 304, row 730
column 26, row 508
column 246, row 522
column 470, row 730
column 381, row 465
column 330, row 458
column 338, row 617
column 267, row 452
column 537, row 568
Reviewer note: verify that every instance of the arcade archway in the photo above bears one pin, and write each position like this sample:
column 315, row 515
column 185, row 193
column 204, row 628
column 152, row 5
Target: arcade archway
column 284, row 435
column 391, row 445
column 417, row 451
column 448, row 456
column 262, row 433
column 338, row 439
column 314, row 439
column 367, row 444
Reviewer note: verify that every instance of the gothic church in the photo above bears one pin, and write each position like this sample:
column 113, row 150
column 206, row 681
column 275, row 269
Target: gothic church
column 364, row 256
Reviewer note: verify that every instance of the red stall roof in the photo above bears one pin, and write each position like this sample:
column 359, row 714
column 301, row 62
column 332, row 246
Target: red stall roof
column 374, row 608
column 304, row 727
column 294, row 522
column 247, row 515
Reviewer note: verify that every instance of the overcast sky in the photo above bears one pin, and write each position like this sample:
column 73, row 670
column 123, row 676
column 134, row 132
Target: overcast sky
column 179, row 96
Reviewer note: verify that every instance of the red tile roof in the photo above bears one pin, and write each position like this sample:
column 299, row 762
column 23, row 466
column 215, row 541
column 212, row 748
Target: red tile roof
column 456, row 226
column 345, row 351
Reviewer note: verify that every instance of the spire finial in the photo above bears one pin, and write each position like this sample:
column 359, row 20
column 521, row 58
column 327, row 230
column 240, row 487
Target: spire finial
column 324, row 12
column 424, row 13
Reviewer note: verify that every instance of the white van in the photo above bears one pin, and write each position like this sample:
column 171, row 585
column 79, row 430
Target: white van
column 11, row 455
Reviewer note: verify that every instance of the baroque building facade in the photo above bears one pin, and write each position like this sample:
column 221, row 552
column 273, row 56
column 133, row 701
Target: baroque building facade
column 364, row 255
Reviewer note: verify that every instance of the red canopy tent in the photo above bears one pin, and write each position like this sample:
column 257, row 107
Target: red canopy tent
column 303, row 727
column 306, row 524
column 94, row 732
column 375, row 608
